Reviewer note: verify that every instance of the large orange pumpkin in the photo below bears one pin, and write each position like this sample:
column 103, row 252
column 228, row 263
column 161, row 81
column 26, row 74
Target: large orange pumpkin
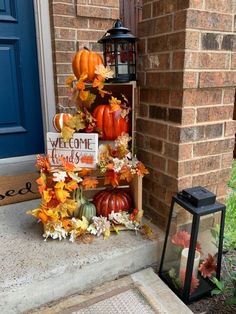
column 85, row 61
column 110, row 125
column 112, row 200
column 59, row 120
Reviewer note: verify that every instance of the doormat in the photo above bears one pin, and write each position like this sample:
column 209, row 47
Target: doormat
column 128, row 301
column 18, row 188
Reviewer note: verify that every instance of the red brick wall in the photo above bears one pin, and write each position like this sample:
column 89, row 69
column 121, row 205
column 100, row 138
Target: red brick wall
column 187, row 73
column 75, row 24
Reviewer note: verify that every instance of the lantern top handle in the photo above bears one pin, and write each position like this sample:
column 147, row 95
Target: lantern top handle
column 118, row 31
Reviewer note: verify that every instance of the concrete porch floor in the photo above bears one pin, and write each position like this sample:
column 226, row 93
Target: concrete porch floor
column 34, row 272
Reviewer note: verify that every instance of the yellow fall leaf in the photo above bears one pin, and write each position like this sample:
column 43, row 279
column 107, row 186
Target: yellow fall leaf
column 80, row 85
column 114, row 101
column 59, row 185
column 47, row 196
column 69, row 80
column 67, row 133
column 89, row 100
column 83, row 76
column 106, row 234
column 61, row 195
column 103, row 92
column 53, row 214
column 33, row 212
column 71, row 185
column 70, row 206
column 83, row 95
column 77, row 122
column 115, row 104
column 98, row 82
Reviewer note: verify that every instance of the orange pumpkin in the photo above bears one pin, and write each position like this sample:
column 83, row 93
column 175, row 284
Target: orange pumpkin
column 85, row 61
column 112, row 200
column 59, row 120
column 110, row 125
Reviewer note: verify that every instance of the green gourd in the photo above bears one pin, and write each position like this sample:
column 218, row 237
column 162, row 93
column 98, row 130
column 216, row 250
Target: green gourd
column 80, row 199
column 88, row 210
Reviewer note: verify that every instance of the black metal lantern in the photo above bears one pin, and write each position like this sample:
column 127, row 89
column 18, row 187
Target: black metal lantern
column 119, row 52
column 193, row 247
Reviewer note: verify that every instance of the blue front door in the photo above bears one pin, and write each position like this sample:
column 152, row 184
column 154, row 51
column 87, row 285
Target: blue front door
column 21, row 128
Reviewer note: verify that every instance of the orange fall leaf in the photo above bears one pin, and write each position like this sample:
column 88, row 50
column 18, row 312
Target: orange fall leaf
column 89, row 183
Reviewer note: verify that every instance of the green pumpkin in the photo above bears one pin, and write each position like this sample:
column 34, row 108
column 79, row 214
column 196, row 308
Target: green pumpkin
column 80, row 200
column 88, row 210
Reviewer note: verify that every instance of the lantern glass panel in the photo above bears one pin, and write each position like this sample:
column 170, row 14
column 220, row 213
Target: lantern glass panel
column 110, row 54
column 204, row 253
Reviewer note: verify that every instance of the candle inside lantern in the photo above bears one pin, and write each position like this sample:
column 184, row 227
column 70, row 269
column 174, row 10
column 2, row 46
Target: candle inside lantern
column 184, row 259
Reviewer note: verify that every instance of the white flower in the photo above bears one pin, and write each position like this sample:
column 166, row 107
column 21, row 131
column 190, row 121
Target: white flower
column 123, row 140
column 73, row 236
column 123, row 218
column 75, row 177
column 99, row 226
column 105, row 72
column 59, row 176
column 118, row 164
column 55, row 231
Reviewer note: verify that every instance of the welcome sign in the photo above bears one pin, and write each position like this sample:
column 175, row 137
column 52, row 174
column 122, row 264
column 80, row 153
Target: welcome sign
column 81, row 149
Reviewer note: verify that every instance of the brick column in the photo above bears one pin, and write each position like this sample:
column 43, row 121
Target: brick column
column 187, row 73
column 75, row 24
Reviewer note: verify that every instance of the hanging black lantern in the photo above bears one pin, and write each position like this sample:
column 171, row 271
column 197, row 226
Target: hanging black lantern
column 192, row 249
column 120, row 53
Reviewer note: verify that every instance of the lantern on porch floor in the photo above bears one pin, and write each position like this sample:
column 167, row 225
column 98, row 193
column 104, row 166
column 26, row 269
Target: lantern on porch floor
column 193, row 247
column 120, row 53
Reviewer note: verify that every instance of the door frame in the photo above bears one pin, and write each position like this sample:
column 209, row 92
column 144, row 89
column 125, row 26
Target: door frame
column 16, row 165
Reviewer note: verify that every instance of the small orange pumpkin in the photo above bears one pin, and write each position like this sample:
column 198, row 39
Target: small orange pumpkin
column 85, row 61
column 112, row 200
column 110, row 125
column 59, row 120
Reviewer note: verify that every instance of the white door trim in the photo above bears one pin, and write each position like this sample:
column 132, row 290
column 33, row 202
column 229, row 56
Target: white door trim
column 43, row 33
column 16, row 165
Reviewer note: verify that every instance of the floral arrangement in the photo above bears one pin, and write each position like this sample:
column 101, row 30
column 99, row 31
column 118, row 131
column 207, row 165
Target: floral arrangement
column 61, row 190
column 64, row 210
column 81, row 94
column 206, row 267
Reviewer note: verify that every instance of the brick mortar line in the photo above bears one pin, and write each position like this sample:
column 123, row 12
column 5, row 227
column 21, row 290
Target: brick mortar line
column 210, row 71
column 188, row 143
column 194, row 158
column 185, row 107
column 167, row 141
column 187, row 10
column 164, row 34
column 184, row 160
column 190, row 70
column 190, row 50
column 169, row 123
column 96, row 6
column 227, row 52
column 86, row 17
column 58, row 2
column 185, row 30
column 203, row 30
column 187, row 176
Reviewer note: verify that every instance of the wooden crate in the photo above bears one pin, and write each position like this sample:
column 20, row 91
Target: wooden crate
column 18, row 188
column 134, row 188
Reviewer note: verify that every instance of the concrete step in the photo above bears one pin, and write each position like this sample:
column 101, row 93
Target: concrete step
column 139, row 293
column 34, row 272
